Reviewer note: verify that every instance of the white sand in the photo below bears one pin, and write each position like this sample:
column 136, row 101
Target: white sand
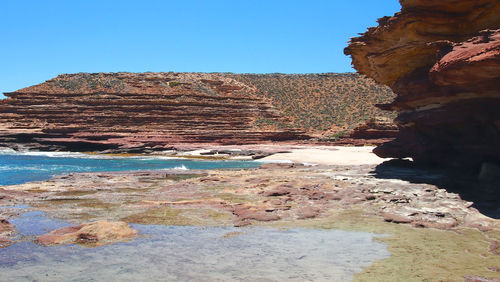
column 329, row 155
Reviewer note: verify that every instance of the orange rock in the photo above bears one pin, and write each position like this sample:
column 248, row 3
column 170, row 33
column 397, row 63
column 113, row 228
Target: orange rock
column 375, row 128
column 442, row 59
column 90, row 234
column 6, row 229
column 5, row 226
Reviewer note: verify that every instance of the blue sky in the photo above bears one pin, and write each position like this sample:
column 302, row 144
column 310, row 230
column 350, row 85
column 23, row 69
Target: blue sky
column 41, row 39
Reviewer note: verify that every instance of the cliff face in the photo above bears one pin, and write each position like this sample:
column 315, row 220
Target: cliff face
column 148, row 110
column 138, row 111
column 442, row 59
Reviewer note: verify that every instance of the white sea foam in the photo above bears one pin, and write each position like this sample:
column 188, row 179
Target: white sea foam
column 309, row 164
column 44, row 154
column 7, row 151
column 150, row 158
column 282, row 162
column 181, row 167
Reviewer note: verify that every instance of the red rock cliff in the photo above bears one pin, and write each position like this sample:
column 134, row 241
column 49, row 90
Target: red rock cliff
column 138, row 111
column 142, row 111
column 442, row 59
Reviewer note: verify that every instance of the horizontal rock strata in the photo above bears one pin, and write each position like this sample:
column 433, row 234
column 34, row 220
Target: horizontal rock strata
column 151, row 111
column 107, row 111
column 374, row 131
column 375, row 128
column 442, row 59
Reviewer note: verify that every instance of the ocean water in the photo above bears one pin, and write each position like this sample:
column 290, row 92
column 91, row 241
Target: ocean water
column 189, row 253
column 18, row 168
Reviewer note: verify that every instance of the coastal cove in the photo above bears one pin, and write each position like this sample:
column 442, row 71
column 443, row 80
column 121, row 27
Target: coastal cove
column 198, row 249
column 235, row 141
column 245, row 207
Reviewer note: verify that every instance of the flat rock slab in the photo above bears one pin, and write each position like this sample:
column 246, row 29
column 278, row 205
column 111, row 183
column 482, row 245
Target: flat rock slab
column 89, row 234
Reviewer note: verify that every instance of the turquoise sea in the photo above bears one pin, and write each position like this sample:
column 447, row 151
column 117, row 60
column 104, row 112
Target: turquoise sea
column 17, row 168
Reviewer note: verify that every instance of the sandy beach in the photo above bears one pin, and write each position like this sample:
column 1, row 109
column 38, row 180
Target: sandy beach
column 329, row 155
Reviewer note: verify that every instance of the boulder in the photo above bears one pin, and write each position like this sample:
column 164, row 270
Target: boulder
column 6, row 229
column 89, row 234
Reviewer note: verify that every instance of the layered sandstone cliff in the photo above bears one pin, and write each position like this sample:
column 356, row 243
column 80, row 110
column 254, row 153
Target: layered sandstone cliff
column 375, row 128
column 442, row 59
column 151, row 111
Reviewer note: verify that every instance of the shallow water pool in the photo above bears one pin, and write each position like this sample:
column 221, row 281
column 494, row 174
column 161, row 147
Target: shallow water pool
column 192, row 253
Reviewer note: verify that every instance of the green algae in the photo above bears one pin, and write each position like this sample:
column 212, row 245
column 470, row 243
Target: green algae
column 75, row 193
column 234, row 198
column 417, row 254
column 184, row 217
column 219, row 187
column 127, row 190
column 96, row 204
column 180, row 177
column 79, row 202
column 64, row 201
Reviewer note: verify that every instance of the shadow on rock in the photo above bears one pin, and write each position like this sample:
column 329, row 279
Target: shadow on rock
column 484, row 193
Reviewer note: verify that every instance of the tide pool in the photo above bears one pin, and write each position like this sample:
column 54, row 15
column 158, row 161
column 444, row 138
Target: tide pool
column 18, row 168
column 190, row 253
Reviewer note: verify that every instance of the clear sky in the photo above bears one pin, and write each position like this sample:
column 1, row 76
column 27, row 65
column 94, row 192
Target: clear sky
column 41, row 39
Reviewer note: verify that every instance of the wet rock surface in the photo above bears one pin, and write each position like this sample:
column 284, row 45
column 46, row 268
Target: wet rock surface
column 272, row 193
column 391, row 199
column 471, row 278
column 6, row 230
column 89, row 234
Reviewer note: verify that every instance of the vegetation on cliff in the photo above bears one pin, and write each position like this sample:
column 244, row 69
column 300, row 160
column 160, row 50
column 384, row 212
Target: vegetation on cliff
column 320, row 102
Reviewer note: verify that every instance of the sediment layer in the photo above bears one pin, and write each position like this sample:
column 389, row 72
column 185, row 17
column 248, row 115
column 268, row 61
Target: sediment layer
column 442, row 59
column 151, row 111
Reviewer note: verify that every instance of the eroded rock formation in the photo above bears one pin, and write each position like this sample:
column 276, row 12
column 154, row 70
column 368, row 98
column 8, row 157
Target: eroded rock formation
column 442, row 59
column 151, row 111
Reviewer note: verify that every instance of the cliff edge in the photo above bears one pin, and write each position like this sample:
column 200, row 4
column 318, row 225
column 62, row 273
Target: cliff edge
column 442, row 59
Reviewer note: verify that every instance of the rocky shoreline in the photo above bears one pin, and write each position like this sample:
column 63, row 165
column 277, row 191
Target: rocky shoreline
column 391, row 198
